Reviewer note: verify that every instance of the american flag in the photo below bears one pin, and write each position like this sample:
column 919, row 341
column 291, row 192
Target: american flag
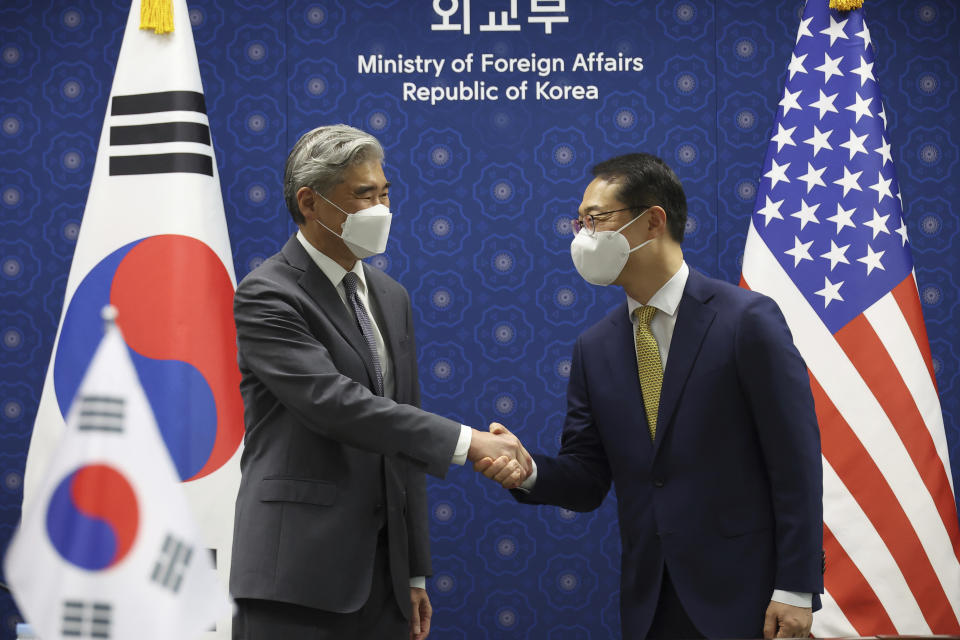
column 828, row 242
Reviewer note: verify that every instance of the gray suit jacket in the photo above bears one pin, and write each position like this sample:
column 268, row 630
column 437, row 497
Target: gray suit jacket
column 326, row 462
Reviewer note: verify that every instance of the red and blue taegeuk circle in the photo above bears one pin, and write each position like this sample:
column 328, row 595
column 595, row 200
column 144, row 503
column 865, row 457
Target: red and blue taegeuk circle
column 175, row 304
column 93, row 517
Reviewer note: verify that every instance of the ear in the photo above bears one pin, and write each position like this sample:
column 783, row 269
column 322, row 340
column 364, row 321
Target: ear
column 657, row 220
column 307, row 200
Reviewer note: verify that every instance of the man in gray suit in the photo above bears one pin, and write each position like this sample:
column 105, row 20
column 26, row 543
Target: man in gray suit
column 330, row 538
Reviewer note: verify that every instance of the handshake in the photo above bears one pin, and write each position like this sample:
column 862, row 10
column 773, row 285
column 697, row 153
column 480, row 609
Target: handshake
column 500, row 456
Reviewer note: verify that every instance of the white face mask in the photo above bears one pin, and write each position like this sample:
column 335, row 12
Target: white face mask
column 600, row 257
column 365, row 232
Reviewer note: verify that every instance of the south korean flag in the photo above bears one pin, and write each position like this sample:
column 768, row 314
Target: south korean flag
column 153, row 243
column 109, row 549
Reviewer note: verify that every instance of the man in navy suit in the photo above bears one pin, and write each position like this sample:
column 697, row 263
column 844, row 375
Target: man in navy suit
column 690, row 397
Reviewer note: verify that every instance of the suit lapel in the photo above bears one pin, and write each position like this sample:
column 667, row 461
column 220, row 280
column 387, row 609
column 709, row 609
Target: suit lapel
column 318, row 286
column 693, row 320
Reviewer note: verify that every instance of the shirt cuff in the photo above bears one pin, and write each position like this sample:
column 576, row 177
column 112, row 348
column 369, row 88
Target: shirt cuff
column 463, row 445
column 793, row 598
column 418, row 582
column 527, row 485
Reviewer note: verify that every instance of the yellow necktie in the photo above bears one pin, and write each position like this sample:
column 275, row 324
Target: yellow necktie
column 648, row 365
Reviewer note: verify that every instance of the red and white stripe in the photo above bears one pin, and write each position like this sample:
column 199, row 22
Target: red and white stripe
column 891, row 532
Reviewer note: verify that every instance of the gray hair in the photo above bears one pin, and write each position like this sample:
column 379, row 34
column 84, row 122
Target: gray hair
column 320, row 157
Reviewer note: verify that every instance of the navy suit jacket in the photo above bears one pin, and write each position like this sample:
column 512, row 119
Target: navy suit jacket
column 729, row 495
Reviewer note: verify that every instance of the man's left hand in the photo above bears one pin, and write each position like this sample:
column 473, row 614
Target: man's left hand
column 786, row 621
column 420, row 613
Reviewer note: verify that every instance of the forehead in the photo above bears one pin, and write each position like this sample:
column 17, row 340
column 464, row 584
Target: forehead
column 601, row 195
column 369, row 173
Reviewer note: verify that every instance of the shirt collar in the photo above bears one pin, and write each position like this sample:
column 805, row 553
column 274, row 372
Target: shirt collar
column 667, row 298
column 329, row 267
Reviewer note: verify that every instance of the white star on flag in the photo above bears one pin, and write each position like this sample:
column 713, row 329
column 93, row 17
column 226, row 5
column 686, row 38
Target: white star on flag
column 861, row 107
column 884, row 151
column 771, row 211
column 777, row 173
column 819, row 140
column 813, row 177
column 835, row 30
column 865, row 71
column 872, row 260
column 800, row 251
column 789, row 101
column 849, row 181
column 796, row 65
column 784, row 137
column 882, row 187
column 825, row 104
column 836, row 254
column 804, row 29
column 830, row 292
column 842, row 218
column 902, row 231
column 878, row 223
column 864, row 34
column 855, row 144
column 830, row 67
column 806, row 213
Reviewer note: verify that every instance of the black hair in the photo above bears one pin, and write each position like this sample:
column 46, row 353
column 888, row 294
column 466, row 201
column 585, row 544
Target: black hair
column 646, row 180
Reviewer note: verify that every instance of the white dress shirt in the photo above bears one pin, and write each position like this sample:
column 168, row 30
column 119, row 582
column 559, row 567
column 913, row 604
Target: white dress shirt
column 335, row 274
column 667, row 301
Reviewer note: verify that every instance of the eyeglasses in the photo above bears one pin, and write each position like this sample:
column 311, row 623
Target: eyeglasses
column 589, row 221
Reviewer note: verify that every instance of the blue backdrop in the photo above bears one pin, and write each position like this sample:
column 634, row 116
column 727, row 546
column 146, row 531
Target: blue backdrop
column 483, row 193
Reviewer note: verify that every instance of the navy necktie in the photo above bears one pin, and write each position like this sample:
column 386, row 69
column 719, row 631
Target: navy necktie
column 350, row 282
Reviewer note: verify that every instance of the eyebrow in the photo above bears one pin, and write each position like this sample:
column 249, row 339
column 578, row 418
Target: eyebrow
column 366, row 188
column 593, row 207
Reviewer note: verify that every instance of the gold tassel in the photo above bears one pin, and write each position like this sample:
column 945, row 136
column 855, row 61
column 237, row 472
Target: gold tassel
column 157, row 15
column 845, row 5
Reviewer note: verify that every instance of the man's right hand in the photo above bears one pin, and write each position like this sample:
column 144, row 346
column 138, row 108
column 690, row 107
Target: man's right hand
column 500, row 456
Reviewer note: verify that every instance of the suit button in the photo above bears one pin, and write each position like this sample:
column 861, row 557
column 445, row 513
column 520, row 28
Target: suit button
column 377, row 508
column 658, row 483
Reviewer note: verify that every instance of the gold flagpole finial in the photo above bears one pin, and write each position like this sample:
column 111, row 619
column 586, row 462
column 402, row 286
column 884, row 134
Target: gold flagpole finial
column 157, row 15
column 846, row 5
